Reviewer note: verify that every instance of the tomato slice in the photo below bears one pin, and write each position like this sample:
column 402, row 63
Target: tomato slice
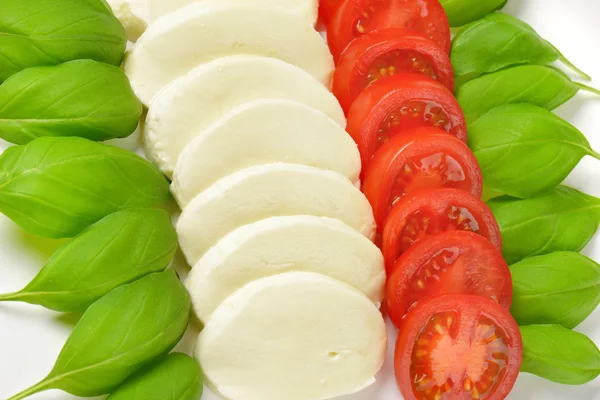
column 423, row 158
column 353, row 18
column 423, row 213
column 326, row 9
column 402, row 102
column 454, row 262
column 458, row 347
column 383, row 53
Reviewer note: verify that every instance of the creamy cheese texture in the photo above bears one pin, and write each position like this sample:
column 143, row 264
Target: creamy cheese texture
column 209, row 29
column 307, row 9
column 285, row 244
column 269, row 190
column 133, row 15
column 191, row 104
column 293, row 336
column 262, row 132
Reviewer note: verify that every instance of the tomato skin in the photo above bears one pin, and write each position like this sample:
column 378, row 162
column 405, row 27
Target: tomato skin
column 435, row 202
column 366, row 49
column 478, row 269
column 427, row 17
column 469, row 307
column 378, row 101
column 390, row 159
column 326, row 9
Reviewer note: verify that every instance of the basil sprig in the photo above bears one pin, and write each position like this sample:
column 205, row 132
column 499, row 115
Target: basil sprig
column 120, row 333
column 118, row 249
column 525, row 150
column 57, row 186
column 558, row 354
column 498, row 41
column 563, row 219
column 561, row 288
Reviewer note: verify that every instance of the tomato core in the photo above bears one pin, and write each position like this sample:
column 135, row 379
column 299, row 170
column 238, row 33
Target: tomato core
column 423, row 223
column 415, row 114
column 396, row 61
column 434, row 171
column 440, row 359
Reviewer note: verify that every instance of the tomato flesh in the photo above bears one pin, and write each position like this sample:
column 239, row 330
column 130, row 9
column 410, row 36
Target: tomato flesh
column 383, row 53
column 458, row 347
column 423, row 158
column 454, row 262
column 426, row 212
column 353, row 18
column 487, row 353
column 400, row 103
column 398, row 61
column 415, row 114
column 432, row 171
column 326, row 9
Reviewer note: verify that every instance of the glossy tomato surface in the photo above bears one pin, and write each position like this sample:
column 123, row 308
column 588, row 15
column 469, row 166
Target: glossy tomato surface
column 402, row 102
column 458, row 347
column 326, row 9
column 383, row 53
column 422, row 158
column 423, row 213
column 353, row 18
column 455, row 262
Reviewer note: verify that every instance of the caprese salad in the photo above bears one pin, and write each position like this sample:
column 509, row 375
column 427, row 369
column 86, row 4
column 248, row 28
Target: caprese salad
column 325, row 183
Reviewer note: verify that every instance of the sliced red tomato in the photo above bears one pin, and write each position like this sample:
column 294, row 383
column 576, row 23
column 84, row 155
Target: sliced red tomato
column 353, row 18
column 326, row 9
column 458, row 347
column 454, row 262
column 383, row 53
column 402, row 102
column 423, row 213
column 422, row 158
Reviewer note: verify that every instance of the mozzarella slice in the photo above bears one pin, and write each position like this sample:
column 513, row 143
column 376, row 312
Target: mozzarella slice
column 285, row 244
column 262, row 132
column 210, row 29
column 293, row 336
column 265, row 191
column 133, row 15
column 307, row 9
column 187, row 107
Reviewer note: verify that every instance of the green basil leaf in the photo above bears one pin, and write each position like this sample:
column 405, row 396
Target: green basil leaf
column 50, row 32
column 558, row 354
column 120, row 333
column 176, row 377
column 561, row 288
column 525, row 150
column 118, row 249
column 499, row 41
column 57, row 186
column 461, row 12
column 563, row 219
column 540, row 85
column 78, row 98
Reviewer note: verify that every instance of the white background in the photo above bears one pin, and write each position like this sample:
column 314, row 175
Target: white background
column 31, row 337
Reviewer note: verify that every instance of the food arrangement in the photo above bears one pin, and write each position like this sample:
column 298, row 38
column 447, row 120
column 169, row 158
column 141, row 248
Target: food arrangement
column 278, row 178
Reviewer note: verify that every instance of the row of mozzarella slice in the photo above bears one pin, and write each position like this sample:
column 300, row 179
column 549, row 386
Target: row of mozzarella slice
column 137, row 15
column 285, row 276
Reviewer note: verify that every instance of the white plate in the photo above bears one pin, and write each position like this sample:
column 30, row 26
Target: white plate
column 31, row 337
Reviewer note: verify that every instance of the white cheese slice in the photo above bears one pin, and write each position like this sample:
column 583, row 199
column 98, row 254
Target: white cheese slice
column 133, row 15
column 209, row 29
column 285, row 244
column 262, row 132
column 191, row 104
column 269, row 190
column 307, row 9
column 293, row 336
